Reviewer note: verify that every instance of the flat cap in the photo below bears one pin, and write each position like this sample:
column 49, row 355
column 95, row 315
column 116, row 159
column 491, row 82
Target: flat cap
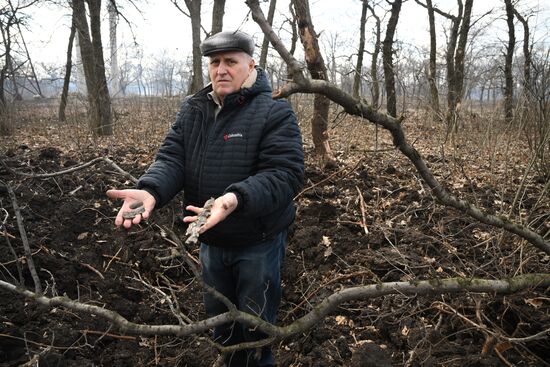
column 228, row 41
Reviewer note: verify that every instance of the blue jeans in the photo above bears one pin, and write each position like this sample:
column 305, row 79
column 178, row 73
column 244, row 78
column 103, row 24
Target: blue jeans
column 250, row 277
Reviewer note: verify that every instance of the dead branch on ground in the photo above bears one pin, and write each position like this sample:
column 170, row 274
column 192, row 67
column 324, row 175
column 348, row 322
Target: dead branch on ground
column 319, row 311
column 24, row 239
column 72, row 169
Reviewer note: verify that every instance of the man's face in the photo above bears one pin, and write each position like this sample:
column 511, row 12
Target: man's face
column 228, row 71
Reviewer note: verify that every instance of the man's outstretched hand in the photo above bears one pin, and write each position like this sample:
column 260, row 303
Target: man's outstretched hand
column 138, row 205
column 222, row 207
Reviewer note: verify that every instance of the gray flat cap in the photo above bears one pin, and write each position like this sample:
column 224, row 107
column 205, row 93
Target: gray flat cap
column 228, row 41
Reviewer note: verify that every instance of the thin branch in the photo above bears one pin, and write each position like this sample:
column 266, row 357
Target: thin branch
column 72, row 169
column 24, row 239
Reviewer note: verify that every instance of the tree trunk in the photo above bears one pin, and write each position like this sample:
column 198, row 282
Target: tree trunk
column 526, row 53
column 318, row 70
column 194, row 7
column 6, row 40
column 115, row 72
column 265, row 43
column 67, row 78
column 460, row 55
column 218, row 11
column 508, row 77
column 432, row 76
column 94, row 66
column 360, row 51
column 374, row 63
column 80, row 75
column 387, row 56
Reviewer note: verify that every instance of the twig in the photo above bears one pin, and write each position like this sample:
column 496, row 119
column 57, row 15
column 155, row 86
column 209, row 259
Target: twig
column 330, row 177
column 72, row 169
column 17, row 260
column 88, row 266
column 362, row 206
column 26, row 247
column 112, row 258
column 540, row 335
column 333, row 280
column 102, row 333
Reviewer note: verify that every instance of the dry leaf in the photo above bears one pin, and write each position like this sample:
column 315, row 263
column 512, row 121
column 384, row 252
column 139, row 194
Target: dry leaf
column 503, row 347
column 535, row 302
column 82, row 236
column 341, row 320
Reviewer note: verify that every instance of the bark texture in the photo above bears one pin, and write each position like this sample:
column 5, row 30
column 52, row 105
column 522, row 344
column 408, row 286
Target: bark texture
column 194, row 7
column 508, row 77
column 360, row 52
column 91, row 50
column 387, row 55
column 318, row 70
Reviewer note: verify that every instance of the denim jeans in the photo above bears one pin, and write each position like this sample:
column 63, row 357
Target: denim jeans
column 250, row 277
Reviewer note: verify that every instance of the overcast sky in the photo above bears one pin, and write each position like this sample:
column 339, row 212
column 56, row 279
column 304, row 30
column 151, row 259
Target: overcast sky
column 161, row 28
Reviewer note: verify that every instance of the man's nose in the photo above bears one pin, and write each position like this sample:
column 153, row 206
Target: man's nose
column 221, row 68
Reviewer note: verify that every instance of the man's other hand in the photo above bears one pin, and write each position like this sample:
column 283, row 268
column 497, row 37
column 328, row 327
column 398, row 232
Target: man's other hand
column 222, row 207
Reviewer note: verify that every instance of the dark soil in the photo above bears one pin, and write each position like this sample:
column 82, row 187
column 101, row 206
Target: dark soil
column 79, row 253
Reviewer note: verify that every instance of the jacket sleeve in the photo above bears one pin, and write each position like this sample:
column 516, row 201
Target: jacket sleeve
column 165, row 177
column 280, row 169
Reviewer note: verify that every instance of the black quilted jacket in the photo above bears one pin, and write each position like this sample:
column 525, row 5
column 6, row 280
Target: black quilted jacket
column 252, row 148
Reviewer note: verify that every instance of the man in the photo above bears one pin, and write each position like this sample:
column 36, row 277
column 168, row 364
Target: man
column 231, row 141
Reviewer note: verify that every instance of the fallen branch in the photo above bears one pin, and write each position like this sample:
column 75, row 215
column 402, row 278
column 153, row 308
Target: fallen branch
column 72, row 169
column 352, row 106
column 319, row 311
column 24, row 239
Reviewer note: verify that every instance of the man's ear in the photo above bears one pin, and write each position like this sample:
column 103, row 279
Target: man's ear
column 251, row 64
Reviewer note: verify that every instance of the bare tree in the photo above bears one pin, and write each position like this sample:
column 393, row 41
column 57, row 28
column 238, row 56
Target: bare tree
column 218, row 11
column 115, row 72
column 68, row 68
column 360, row 51
column 526, row 51
column 374, row 61
column 432, row 69
column 318, row 70
column 387, row 56
column 265, row 43
column 508, row 77
column 10, row 30
column 7, row 22
column 194, row 8
column 91, row 50
column 454, row 57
